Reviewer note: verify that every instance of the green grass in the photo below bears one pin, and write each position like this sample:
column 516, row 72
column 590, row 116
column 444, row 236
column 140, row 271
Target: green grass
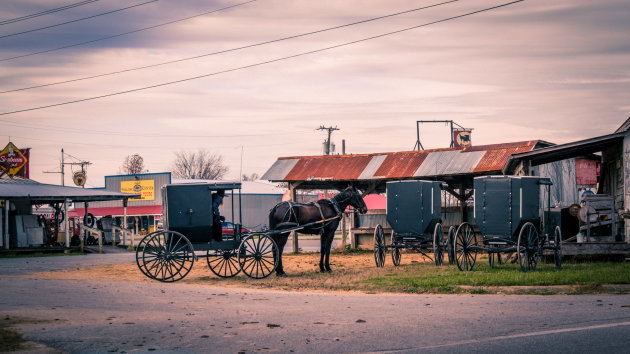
column 420, row 278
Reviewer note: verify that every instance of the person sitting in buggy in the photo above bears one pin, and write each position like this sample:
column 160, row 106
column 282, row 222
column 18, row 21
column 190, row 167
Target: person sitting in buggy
column 217, row 200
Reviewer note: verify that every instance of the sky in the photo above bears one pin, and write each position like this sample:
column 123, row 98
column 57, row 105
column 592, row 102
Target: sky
column 557, row 71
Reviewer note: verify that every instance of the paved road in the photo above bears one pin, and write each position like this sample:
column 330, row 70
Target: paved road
column 97, row 316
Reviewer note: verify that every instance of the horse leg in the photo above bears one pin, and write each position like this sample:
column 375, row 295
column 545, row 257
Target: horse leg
column 281, row 240
column 329, row 239
column 322, row 251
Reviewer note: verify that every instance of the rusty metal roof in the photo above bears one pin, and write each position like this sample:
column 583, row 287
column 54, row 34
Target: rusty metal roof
column 476, row 160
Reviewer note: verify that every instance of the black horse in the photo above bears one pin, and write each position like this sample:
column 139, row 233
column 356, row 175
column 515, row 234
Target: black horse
column 325, row 213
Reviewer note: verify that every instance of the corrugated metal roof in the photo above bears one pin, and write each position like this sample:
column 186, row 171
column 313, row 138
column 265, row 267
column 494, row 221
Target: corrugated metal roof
column 372, row 167
column 280, row 169
column 453, row 162
column 397, row 165
column 401, row 164
column 338, row 167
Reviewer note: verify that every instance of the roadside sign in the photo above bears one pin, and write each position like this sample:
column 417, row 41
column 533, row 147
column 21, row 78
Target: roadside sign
column 12, row 160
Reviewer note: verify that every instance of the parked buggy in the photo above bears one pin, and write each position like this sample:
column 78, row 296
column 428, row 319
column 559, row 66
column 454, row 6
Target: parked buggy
column 508, row 214
column 414, row 211
column 169, row 255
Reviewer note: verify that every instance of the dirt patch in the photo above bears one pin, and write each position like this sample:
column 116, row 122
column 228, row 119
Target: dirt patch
column 302, row 270
column 352, row 272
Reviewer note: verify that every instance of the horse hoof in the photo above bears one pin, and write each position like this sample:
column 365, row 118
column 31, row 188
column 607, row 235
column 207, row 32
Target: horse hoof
column 282, row 275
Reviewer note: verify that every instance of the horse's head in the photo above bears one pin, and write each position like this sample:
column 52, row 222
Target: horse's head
column 356, row 200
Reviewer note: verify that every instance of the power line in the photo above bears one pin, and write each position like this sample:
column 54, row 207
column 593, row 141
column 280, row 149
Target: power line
column 122, row 34
column 231, row 50
column 260, row 63
column 135, row 134
column 27, row 17
column 80, row 19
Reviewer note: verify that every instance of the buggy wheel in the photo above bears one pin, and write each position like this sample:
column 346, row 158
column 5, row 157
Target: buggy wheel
column 139, row 252
column 450, row 244
column 224, row 263
column 379, row 246
column 396, row 252
column 465, row 247
column 166, row 256
column 557, row 251
column 528, row 247
column 258, row 256
column 438, row 248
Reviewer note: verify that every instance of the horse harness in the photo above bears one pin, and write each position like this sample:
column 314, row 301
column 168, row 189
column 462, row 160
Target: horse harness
column 290, row 213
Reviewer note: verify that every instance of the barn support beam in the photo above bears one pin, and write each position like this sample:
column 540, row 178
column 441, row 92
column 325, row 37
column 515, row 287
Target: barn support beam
column 5, row 222
column 293, row 191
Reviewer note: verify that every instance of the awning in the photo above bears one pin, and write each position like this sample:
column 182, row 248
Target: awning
column 564, row 151
column 118, row 211
column 39, row 193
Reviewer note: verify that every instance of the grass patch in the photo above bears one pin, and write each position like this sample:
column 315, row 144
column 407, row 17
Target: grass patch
column 582, row 277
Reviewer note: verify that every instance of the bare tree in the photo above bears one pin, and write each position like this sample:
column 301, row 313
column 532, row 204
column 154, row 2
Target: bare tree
column 198, row 165
column 251, row 177
column 133, row 165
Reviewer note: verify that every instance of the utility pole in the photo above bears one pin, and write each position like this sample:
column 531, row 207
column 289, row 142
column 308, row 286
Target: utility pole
column 330, row 130
column 63, row 164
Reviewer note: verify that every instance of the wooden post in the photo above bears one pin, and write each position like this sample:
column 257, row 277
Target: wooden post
column 124, row 223
column 65, row 221
column 296, row 246
column 344, row 230
column 85, row 232
column 462, row 208
column 5, row 234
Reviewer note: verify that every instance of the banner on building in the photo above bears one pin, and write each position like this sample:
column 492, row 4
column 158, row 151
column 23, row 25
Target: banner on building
column 146, row 189
column 461, row 137
column 12, row 160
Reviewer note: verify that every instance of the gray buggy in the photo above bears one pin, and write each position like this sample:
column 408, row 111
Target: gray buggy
column 414, row 211
column 507, row 212
column 168, row 255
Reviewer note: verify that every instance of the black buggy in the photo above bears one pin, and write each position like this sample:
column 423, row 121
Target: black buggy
column 169, row 255
column 414, row 211
column 507, row 212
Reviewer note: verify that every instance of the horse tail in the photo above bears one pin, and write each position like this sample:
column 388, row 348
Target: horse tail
column 272, row 219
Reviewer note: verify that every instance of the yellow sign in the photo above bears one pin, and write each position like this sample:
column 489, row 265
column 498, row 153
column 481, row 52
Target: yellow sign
column 146, row 189
column 12, row 160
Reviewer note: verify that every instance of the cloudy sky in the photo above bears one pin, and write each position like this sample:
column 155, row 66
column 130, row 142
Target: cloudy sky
column 552, row 70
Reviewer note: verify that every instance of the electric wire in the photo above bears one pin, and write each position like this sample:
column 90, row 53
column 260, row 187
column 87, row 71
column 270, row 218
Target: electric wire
column 135, row 134
column 230, row 50
column 121, row 34
column 260, row 63
column 77, row 20
column 27, row 17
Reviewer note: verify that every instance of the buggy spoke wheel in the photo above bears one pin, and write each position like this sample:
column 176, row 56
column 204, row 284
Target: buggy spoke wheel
column 165, row 256
column 450, row 244
column 258, row 256
column 224, row 263
column 465, row 247
column 438, row 249
column 557, row 251
column 379, row 246
column 528, row 247
column 142, row 265
column 396, row 252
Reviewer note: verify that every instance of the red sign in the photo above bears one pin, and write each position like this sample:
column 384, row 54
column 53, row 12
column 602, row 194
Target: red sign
column 12, row 160
column 586, row 172
column 461, row 138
